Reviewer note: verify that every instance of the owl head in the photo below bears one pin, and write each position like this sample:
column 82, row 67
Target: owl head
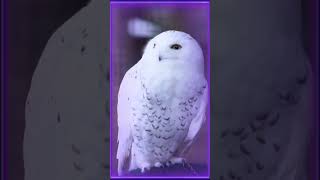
column 173, row 47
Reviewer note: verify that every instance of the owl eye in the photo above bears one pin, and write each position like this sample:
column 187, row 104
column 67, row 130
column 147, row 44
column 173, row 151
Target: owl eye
column 176, row 46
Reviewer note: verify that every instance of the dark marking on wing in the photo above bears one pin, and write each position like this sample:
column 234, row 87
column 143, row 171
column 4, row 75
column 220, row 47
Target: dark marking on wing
column 167, row 119
column 259, row 166
column 274, row 120
column 190, row 100
column 75, row 149
column 244, row 150
column 238, row 132
column 255, row 126
column 77, row 167
column 288, row 98
column 138, row 145
column 244, row 136
column 158, row 136
column 148, row 130
column 302, row 80
column 139, row 138
column 167, row 138
column 58, row 118
column 261, row 140
column 180, row 129
column 83, row 49
column 137, row 129
column 155, row 127
column 158, row 102
column 276, row 147
column 183, row 103
column 224, row 133
column 262, row 116
column 84, row 33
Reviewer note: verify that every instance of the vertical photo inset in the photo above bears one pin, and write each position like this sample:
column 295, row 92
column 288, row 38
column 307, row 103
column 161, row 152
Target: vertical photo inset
column 159, row 89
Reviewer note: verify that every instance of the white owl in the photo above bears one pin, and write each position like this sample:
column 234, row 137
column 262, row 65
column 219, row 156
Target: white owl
column 161, row 102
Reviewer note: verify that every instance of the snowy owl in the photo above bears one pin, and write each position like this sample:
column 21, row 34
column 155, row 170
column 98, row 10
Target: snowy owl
column 161, row 103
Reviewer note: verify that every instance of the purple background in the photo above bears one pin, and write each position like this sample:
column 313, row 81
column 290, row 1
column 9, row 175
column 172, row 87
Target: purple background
column 127, row 50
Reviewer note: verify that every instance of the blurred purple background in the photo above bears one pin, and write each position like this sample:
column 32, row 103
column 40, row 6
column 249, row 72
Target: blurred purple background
column 132, row 25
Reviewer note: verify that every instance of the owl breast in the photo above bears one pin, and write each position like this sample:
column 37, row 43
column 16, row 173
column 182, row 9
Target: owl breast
column 162, row 115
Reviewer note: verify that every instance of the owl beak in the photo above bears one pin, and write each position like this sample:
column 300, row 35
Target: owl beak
column 160, row 58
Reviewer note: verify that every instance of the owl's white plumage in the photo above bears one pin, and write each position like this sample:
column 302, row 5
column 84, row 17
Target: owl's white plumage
column 161, row 102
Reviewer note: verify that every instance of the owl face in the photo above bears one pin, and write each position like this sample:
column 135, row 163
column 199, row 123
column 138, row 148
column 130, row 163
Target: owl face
column 174, row 47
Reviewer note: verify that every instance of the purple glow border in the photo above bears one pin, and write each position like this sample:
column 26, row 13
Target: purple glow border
column 4, row 97
column 316, row 56
column 208, row 80
column 158, row 2
column 110, row 89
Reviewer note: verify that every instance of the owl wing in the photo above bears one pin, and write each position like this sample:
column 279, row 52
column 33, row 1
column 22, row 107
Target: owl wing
column 196, row 123
column 128, row 88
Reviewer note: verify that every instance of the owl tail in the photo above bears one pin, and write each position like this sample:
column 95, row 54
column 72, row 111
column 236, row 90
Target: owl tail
column 133, row 161
column 123, row 153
